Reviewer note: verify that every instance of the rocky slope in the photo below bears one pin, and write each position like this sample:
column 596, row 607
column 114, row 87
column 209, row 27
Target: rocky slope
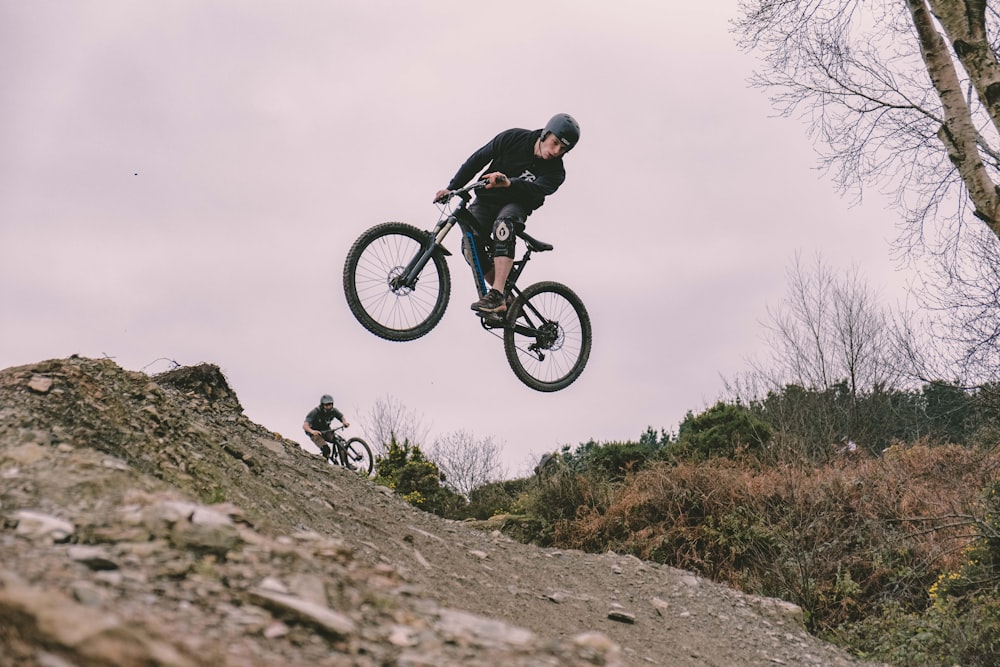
column 147, row 521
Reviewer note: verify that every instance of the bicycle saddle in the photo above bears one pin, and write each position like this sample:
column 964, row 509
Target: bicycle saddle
column 534, row 244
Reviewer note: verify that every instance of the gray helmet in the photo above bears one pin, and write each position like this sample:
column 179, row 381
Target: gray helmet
column 566, row 129
column 326, row 399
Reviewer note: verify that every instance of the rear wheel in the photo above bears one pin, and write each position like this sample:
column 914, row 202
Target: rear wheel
column 548, row 336
column 358, row 457
column 389, row 310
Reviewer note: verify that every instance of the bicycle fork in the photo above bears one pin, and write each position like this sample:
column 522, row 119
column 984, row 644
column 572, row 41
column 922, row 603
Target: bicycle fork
column 411, row 273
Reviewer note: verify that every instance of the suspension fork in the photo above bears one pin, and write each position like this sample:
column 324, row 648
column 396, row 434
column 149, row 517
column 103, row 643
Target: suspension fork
column 408, row 278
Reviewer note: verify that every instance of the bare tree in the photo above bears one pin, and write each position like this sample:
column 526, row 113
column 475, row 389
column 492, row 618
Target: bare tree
column 467, row 462
column 904, row 95
column 827, row 330
column 389, row 419
column 955, row 333
column 888, row 101
column 831, row 367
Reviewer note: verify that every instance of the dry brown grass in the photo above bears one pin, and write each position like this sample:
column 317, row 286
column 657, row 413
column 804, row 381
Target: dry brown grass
column 837, row 539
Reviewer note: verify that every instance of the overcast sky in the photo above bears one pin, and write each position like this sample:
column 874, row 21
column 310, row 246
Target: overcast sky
column 180, row 180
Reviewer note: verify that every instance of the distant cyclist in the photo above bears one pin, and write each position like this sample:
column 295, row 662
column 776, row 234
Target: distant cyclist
column 318, row 420
column 524, row 167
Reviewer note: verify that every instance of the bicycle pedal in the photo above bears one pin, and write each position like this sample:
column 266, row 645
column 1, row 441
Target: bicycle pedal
column 492, row 318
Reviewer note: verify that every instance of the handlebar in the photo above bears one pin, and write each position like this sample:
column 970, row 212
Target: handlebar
column 462, row 192
column 331, row 432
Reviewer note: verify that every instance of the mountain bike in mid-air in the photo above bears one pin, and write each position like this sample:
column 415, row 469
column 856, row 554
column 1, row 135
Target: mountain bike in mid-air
column 398, row 285
column 353, row 454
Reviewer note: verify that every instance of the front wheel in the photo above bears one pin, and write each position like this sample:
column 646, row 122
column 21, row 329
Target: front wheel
column 357, row 456
column 547, row 337
column 383, row 306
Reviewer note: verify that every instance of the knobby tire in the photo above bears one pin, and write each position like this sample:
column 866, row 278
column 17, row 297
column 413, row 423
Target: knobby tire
column 360, row 456
column 379, row 255
column 547, row 319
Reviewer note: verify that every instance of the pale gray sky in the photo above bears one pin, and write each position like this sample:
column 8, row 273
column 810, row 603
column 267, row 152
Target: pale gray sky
column 182, row 180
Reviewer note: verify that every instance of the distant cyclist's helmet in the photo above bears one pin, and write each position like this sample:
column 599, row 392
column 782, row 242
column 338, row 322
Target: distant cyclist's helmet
column 326, row 401
column 566, row 129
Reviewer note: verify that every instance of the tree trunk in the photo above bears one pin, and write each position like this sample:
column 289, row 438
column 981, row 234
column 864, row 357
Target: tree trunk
column 964, row 22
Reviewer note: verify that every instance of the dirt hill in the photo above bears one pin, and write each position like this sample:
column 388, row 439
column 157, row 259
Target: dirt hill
column 146, row 521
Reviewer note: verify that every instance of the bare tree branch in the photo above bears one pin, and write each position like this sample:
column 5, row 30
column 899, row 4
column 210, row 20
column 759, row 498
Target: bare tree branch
column 467, row 462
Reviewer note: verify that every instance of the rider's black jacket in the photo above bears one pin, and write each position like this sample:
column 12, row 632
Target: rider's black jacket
column 320, row 419
column 512, row 152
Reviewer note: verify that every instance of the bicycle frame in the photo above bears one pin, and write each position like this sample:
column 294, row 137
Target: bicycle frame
column 460, row 216
column 335, row 437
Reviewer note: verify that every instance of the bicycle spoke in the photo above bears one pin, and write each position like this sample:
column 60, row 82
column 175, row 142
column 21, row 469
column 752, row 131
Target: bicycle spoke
column 548, row 344
column 377, row 259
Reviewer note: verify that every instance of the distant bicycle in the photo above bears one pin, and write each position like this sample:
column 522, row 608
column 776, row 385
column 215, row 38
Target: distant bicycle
column 353, row 454
column 398, row 286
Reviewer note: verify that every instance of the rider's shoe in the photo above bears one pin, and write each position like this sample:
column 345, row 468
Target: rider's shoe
column 493, row 302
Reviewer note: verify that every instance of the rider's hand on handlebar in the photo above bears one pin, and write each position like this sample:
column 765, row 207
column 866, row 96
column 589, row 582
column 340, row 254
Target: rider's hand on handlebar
column 442, row 196
column 497, row 179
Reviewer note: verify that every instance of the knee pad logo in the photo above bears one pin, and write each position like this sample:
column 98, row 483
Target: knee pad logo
column 501, row 231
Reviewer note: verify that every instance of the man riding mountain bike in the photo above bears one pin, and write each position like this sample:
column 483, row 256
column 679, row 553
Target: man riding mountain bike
column 318, row 420
column 524, row 167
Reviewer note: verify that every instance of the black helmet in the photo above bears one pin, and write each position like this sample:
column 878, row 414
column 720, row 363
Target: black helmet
column 565, row 127
column 326, row 400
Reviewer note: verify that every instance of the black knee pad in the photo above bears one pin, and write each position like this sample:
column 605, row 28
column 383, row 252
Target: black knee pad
column 504, row 234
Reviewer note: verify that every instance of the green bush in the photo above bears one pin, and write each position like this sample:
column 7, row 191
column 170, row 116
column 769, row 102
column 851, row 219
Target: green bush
column 953, row 631
column 960, row 624
column 722, row 430
column 614, row 459
column 559, row 496
column 495, row 498
column 406, row 470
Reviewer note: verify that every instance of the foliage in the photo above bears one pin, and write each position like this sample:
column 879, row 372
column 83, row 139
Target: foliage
column 841, row 540
column 723, row 430
column 808, row 423
column 495, row 498
column 961, row 624
column 405, row 470
column 558, row 495
column 612, row 459
column 948, row 409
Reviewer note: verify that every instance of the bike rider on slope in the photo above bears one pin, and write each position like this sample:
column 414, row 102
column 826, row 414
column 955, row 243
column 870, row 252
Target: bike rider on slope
column 318, row 420
column 525, row 166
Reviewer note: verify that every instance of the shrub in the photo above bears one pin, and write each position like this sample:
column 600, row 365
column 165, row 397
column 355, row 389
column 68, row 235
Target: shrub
column 405, row 470
column 614, row 459
column 961, row 624
column 559, row 496
column 495, row 498
column 839, row 540
column 722, row 430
